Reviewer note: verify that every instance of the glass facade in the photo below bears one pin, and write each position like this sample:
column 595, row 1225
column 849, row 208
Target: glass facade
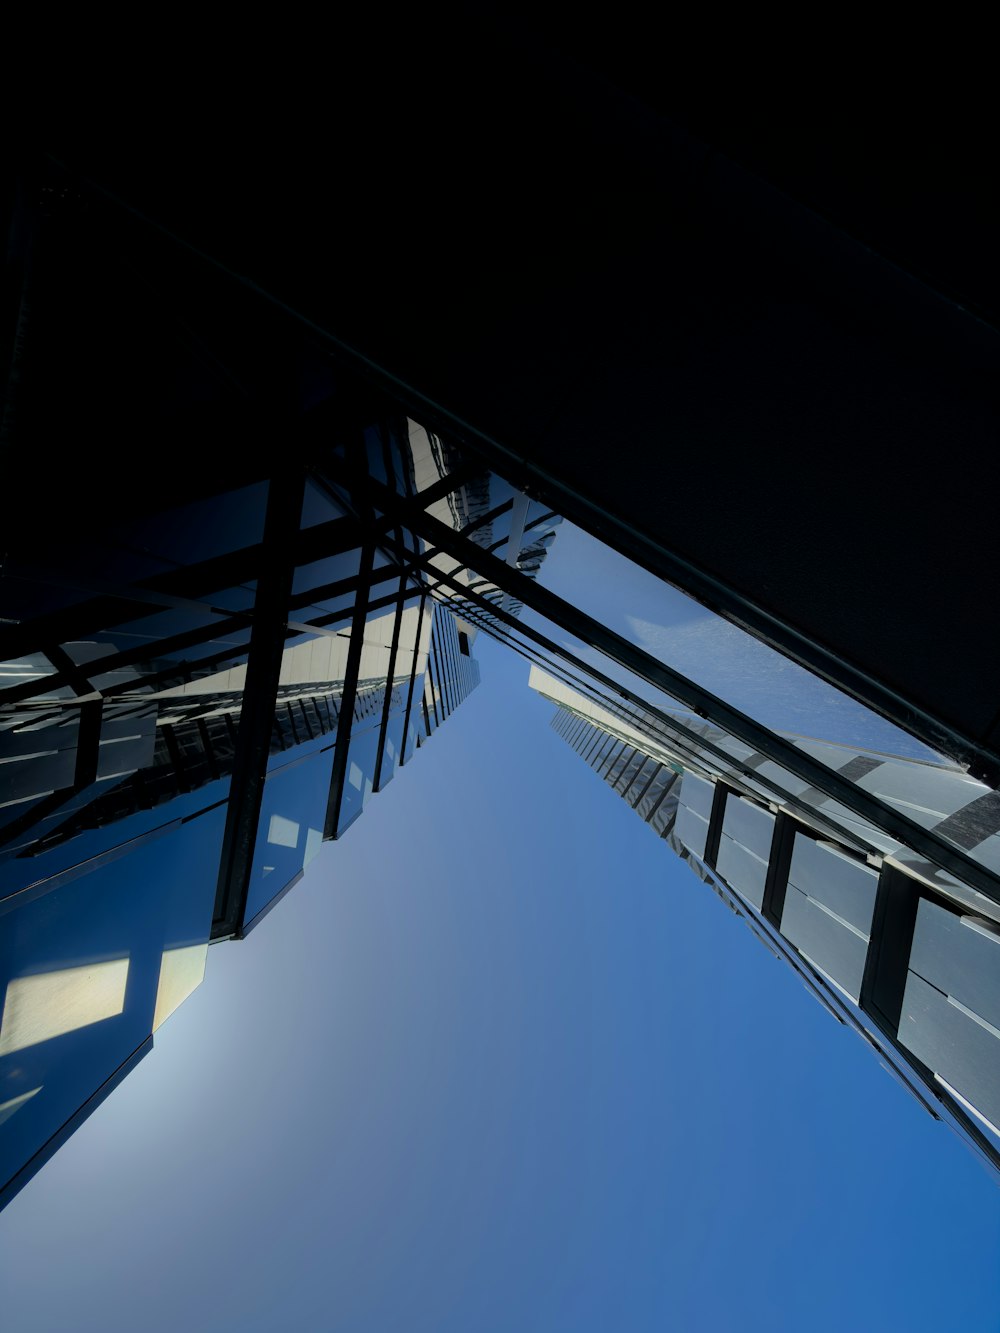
column 214, row 669
column 905, row 954
column 189, row 706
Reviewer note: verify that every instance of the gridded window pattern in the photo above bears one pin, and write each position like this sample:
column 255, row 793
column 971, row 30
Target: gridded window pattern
column 177, row 741
column 745, row 847
column 829, row 904
column 641, row 780
column 694, row 810
column 919, row 968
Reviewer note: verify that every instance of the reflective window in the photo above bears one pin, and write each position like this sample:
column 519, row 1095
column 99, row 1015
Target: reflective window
column 605, row 759
column 745, row 847
column 313, row 577
column 290, row 829
column 951, row 1005
column 88, row 969
column 200, row 530
column 392, row 754
column 360, row 776
column 618, row 765
column 648, row 800
column 318, row 507
column 693, row 812
column 629, row 772
column 641, row 781
column 828, row 910
column 664, row 817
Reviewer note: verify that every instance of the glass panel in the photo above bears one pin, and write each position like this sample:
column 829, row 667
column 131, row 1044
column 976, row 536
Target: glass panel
column 605, row 758
column 429, row 459
column 720, row 656
column 697, row 795
column 202, row 529
column 654, row 791
column 691, row 828
column 206, row 629
column 844, row 886
column 749, row 825
column 827, row 940
column 290, row 829
column 393, row 747
column 618, row 766
column 630, row 770
column 431, row 701
column 317, row 574
column 148, row 545
column 149, row 752
column 89, row 967
column 412, row 732
column 664, row 817
column 642, row 780
column 317, row 507
column 22, row 670
column 360, row 776
column 742, row 870
column 951, row 1042
column 960, row 955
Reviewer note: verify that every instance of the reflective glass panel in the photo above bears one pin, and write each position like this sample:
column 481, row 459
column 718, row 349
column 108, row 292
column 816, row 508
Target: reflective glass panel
column 290, row 829
column 88, row 967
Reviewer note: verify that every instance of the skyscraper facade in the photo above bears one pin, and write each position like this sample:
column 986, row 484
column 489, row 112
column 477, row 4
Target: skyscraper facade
column 231, row 613
column 906, row 955
column 192, row 699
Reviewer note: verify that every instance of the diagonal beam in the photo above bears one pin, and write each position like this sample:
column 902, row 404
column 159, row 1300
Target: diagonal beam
column 701, row 701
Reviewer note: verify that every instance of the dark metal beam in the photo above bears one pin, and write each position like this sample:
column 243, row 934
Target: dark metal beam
column 389, row 677
column 705, row 704
column 253, row 739
column 348, row 696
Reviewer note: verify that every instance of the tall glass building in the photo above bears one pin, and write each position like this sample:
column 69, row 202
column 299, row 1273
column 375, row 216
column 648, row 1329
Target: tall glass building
column 192, row 698
column 906, row 954
column 274, row 454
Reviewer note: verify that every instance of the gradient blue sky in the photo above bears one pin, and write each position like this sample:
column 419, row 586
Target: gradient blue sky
column 501, row 1062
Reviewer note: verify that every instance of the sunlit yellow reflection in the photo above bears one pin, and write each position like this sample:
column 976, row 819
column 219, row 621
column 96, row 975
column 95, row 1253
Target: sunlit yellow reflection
column 48, row 1004
column 181, row 972
column 7, row 1109
column 314, row 841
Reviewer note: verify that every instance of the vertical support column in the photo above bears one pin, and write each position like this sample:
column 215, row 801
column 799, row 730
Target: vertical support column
column 714, row 836
column 350, row 692
column 413, row 674
column 390, row 676
column 779, row 863
column 253, row 739
column 893, row 922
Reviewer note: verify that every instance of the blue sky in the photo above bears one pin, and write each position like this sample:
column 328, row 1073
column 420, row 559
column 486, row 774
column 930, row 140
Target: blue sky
column 501, row 1062
column 719, row 655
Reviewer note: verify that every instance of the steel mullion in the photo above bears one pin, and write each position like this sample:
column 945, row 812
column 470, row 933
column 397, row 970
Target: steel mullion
column 253, row 737
column 658, row 766
column 729, row 719
column 434, row 673
column 345, row 722
column 447, row 658
column 699, row 743
column 390, row 676
column 107, row 609
column 413, row 676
